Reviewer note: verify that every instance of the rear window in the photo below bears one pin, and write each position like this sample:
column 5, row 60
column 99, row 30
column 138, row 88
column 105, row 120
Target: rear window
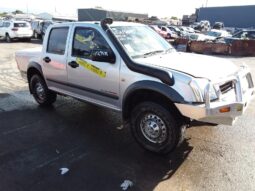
column 21, row 25
column 57, row 40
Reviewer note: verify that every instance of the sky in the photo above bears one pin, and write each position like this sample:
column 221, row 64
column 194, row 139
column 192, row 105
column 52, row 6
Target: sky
column 160, row 8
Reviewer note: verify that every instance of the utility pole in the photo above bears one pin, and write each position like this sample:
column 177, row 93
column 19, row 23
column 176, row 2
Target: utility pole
column 206, row 3
column 27, row 9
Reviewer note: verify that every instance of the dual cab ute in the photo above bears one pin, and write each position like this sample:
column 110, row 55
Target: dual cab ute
column 129, row 68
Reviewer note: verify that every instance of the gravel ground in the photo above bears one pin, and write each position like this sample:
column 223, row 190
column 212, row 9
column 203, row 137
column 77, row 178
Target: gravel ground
column 35, row 143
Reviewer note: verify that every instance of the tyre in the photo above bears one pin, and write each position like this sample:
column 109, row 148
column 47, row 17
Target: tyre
column 8, row 38
column 40, row 91
column 28, row 39
column 36, row 35
column 155, row 128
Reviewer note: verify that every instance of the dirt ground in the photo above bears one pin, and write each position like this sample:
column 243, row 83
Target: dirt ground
column 35, row 143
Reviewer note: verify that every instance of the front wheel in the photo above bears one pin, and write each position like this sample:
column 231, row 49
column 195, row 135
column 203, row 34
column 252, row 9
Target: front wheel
column 40, row 91
column 155, row 128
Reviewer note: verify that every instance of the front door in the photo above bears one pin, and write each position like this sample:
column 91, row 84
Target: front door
column 98, row 81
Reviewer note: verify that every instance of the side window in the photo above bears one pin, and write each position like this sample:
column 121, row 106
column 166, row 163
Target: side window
column 57, row 40
column 8, row 24
column 86, row 41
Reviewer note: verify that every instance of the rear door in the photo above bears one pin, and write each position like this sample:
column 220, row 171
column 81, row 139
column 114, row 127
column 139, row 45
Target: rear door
column 1, row 28
column 4, row 28
column 54, row 56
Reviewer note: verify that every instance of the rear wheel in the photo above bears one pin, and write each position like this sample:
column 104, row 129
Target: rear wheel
column 40, row 91
column 36, row 35
column 8, row 38
column 155, row 128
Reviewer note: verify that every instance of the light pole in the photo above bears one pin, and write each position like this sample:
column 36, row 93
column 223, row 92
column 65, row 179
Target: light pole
column 206, row 3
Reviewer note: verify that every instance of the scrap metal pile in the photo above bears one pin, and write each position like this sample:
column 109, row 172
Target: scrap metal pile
column 235, row 48
column 201, row 38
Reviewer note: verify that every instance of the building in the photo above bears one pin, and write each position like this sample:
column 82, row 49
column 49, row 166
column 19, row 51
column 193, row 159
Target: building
column 233, row 16
column 56, row 17
column 23, row 16
column 189, row 19
column 94, row 14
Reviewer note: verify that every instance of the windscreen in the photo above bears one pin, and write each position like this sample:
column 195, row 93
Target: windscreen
column 20, row 25
column 140, row 41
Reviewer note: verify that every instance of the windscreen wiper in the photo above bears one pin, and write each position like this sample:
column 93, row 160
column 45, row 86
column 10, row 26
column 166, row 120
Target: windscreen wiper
column 153, row 52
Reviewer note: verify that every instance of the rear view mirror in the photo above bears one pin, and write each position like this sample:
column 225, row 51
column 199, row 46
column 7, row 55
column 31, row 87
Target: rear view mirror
column 103, row 56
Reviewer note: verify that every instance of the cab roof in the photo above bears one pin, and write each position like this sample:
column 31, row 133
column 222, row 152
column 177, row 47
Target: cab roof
column 114, row 24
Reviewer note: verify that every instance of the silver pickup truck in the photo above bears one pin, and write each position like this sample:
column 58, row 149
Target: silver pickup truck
column 129, row 68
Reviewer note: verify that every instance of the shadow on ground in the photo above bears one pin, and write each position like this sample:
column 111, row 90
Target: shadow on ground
column 33, row 41
column 36, row 143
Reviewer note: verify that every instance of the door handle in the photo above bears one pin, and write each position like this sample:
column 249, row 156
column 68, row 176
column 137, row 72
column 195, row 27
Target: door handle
column 47, row 59
column 73, row 64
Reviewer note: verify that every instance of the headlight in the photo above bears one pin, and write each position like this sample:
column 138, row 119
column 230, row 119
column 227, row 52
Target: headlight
column 197, row 91
column 213, row 94
column 199, row 86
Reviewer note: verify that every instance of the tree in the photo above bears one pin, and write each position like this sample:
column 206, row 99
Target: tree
column 17, row 12
column 3, row 14
column 174, row 18
column 98, row 7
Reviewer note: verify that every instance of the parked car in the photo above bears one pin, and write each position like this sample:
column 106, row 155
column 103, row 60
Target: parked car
column 245, row 34
column 203, row 26
column 39, row 28
column 171, row 34
column 218, row 25
column 177, row 30
column 188, row 30
column 159, row 31
column 218, row 33
column 129, row 68
column 200, row 37
column 16, row 30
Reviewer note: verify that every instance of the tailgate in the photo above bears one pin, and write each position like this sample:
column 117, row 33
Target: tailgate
column 24, row 31
column 23, row 57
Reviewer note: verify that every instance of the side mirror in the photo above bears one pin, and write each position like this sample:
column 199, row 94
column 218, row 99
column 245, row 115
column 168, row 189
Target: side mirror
column 103, row 56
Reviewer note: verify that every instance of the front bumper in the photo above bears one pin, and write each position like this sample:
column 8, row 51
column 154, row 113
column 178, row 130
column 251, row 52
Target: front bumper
column 228, row 107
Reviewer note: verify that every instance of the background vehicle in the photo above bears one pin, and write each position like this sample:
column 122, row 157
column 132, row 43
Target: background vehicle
column 245, row 34
column 203, row 26
column 177, row 31
column 218, row 33
column 171, row 34
column 218, row 25
column 16, row 30
column 130, row 68
column 162, row 33
column 200, row 37
column 39, row 28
